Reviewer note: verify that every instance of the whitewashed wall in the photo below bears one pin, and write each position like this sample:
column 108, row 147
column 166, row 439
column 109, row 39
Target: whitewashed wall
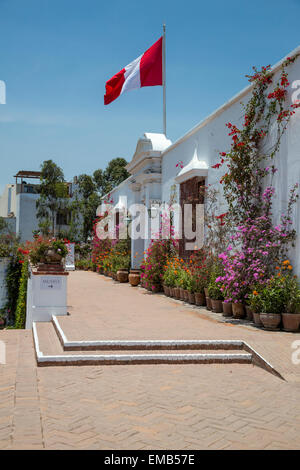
column 26, row 215
column 8, row 200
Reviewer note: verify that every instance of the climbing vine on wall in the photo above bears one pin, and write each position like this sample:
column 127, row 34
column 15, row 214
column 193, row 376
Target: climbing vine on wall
column 243, row 180
column 258, row 243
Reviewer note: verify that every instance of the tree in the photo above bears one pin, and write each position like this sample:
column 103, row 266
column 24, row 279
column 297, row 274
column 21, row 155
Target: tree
column 3, row 224
column 85, row 204
column 53, row 195
column 112, row 176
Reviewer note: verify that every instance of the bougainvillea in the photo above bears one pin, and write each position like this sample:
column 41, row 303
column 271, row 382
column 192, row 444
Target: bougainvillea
column 258, row 244
column 162, row 248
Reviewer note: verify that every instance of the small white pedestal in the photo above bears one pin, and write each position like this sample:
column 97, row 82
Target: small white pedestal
column 70, row 258
column 46, row 296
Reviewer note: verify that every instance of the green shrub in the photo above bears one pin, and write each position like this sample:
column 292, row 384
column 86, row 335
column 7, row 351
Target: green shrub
column 22, row 297
column 83, row 264
column 214, row 291
column 12, row 281
column 280, row 294
column 169, row 277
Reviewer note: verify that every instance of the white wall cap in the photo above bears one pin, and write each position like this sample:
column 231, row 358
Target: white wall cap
column 196, row 167
column 159, row 142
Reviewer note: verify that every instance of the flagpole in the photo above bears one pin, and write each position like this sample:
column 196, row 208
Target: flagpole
column 164, row 82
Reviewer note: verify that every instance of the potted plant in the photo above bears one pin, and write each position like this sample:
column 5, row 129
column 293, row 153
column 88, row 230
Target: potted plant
column 169, row 278
column 227, row 308
column 183, row 279
column 271, row 303
column 43, row 251
column 191, row 287
column 122, row 266
column 254, row 302
column 249, row 312
column 214, row 289
column 198, row 285
column 291, row 316
column 216, row 296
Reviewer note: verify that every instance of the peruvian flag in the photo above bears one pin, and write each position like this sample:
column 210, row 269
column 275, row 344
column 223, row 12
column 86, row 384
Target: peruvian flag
column 146, row 70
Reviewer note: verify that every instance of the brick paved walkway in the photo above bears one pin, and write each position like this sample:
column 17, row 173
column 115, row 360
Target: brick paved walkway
column 147, row 406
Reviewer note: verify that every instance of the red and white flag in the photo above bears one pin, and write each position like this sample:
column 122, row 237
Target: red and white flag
column 146, row 70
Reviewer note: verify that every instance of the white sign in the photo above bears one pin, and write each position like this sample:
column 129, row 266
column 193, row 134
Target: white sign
column 51, row 283
column 70, row 258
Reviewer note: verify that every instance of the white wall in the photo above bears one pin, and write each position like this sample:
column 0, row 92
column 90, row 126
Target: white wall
column 26, row 215
column 8, row 200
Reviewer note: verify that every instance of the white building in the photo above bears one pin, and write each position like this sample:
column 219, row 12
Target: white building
column 18, row 205
column 155, row 177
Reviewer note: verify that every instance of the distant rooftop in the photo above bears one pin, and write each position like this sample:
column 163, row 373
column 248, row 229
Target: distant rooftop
column 28, row 174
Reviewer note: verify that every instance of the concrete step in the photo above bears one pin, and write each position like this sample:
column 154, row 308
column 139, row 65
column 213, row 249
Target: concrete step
column 143, row 345
column 53, row 348
column 49, row 351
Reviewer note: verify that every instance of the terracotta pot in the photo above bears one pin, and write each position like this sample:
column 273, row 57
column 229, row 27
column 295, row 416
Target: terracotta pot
column 291, row 321
column 216, row 306
column 227, row 309
column 257, row 320
column 271, row 321
column 192, row 298
column 186, row 295
column 134, row 279
column 122, row 275
column 171, row 291
column 177, row 293
column 238, row 310
column 166, row 290
column 181, row 293
column 208, row 303
column 199, row 299
column 249, row 313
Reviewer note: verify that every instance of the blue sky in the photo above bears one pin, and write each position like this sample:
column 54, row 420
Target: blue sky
column 56, row 56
